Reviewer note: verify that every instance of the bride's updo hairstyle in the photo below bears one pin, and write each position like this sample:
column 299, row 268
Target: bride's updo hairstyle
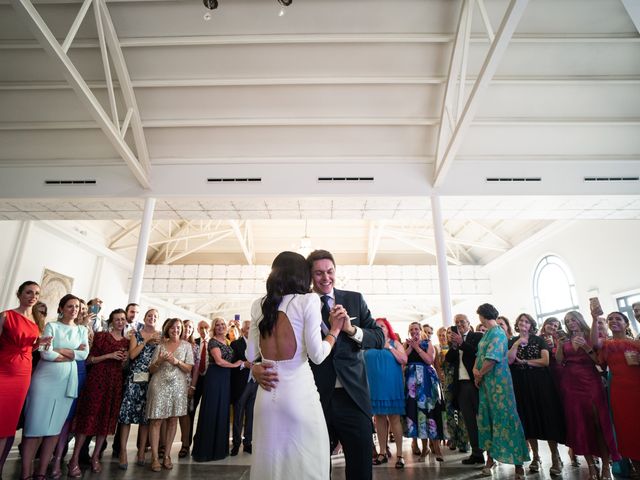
column 290, row 274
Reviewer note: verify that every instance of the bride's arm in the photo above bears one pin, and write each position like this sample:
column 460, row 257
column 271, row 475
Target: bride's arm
column 253, row 343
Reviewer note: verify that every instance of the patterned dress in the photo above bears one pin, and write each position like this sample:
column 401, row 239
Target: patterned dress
column 424, row 407
column 134, row 399
column 167, row 396
column 499, row 429
column 99, row 402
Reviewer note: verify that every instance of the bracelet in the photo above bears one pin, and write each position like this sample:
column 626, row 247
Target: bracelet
column 331, row 335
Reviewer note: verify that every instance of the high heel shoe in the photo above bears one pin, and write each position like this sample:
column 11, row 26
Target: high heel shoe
column 415, row 449
column 380, row 459
column 593, row 472
column 486, row 470
column 400, row 462
column 155, row 465
column 122, row 460
column 606, row 475
column 96, row 467
column 534, row 466
column 74, row 470
column 166, row 463
column 519, row 474
column 140, row 459
column 55, row 473
column 556, row 466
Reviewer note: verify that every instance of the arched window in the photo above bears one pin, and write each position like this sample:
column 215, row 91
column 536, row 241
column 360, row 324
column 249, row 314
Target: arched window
column 554, row 291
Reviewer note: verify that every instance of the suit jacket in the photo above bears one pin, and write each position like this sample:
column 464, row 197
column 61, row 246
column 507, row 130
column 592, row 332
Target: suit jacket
column 239, row 378
column 469, row 350
column 346, row 360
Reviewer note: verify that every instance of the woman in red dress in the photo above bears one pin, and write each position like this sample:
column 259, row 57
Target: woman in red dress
column 99, row 402
column 19, row 334
column 622, row 354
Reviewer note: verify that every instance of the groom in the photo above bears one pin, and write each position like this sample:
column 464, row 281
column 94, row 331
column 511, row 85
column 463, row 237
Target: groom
column 341, row 379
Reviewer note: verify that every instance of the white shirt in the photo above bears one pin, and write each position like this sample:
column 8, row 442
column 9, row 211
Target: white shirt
column 462, row 370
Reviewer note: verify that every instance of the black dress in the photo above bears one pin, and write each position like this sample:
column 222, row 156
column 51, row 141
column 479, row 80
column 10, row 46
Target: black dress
column 211, row 440
column 539, row 405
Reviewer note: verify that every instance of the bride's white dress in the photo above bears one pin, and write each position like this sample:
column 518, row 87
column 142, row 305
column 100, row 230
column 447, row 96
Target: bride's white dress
column 290, row 438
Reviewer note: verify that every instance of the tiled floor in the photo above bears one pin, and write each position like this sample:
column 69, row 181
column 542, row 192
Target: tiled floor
column 237, row 468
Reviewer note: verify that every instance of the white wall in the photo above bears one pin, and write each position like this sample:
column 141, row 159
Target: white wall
column 602, row 255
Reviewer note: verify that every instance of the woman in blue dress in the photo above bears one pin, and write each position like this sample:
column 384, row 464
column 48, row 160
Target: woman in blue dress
column 424, row 408
column 384, row 373
column 142, row 345
column 54, row 386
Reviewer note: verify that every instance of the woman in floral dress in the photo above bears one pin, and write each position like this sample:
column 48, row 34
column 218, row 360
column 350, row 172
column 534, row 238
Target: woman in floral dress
column 500, row 432
column 142, row 345
column 422, row 392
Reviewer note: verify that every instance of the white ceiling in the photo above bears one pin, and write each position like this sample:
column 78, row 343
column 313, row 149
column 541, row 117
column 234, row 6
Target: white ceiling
column 345, row 89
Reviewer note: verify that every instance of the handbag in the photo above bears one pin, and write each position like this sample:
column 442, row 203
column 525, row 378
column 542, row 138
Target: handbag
column 140, row 377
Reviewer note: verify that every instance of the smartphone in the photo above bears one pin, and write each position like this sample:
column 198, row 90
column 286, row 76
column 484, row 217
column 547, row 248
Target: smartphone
column 94, row 309
column 454, row 329
column 596, row 309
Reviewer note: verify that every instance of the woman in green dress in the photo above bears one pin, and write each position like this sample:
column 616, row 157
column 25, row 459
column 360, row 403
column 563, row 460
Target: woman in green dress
column 500, row 432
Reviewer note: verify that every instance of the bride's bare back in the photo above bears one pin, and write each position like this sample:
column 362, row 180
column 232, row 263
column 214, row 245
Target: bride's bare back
column 281, row 345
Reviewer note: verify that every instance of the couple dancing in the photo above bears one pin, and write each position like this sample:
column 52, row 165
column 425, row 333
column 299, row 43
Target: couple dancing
column 303, row 411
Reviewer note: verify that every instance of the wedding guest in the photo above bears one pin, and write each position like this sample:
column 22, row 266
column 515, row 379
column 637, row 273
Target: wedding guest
column 167, row 399
column 54, row 386
column 19, row 334
column 622, row 355
column 589, row 430
column 186, row 421
column 505, row 324
column 100, row 400
column 424, row 407
column 211, row 440
column 500, row 432
column 538, row 401
column 384, row 373
column 142, row 345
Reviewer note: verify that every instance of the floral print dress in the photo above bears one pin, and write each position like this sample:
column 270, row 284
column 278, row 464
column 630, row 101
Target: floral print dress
column 424, row 407
column 499, row 429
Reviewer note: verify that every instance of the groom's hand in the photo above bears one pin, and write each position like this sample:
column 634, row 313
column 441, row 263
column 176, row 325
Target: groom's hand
column 265, row 375
column 337, row 317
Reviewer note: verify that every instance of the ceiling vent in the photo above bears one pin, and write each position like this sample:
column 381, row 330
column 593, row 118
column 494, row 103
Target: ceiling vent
column 345, row 179
column 233, row 180
column 611, row 179
column 69, row 182
column 514, row 179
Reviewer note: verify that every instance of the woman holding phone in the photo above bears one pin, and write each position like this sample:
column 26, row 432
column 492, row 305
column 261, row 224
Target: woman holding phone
column 589, row 430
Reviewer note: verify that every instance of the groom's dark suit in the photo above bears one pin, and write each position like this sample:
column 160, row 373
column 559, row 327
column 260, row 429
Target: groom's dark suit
column 347, row 410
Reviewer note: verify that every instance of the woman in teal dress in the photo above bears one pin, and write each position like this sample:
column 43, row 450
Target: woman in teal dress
column 54, row 386
column 500, row 432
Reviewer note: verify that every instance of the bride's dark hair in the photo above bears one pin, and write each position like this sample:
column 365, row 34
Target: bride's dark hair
column 290, row 274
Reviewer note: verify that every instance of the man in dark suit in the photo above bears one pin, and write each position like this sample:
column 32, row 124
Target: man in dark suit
column 462, row 356
column 341, row 379
column 243, row 393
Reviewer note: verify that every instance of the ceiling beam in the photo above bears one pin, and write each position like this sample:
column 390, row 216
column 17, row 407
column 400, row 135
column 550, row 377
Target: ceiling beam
column 421, row 246
column 244, row 240
column 375, row 235
column 27, row 12
column 171, row 239
column 633, row 9
column 123, row 233
column 498, row 47
column 189, row 251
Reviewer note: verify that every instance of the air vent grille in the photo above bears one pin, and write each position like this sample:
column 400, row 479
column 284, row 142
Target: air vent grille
column 611, row 179
column 69, row 182
column 346, row 179
column 234, row 180
column 514, row 179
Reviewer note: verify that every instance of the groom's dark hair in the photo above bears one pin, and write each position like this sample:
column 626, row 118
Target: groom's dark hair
column 320, row 255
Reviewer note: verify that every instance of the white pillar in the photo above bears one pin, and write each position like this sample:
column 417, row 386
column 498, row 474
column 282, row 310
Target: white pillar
column 141, row 252
column 10, row 286
column 97, row 275
column 441, row 260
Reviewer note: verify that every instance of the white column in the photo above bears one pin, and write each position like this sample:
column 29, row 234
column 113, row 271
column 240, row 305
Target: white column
column 97, row 275
column 141, row 252
column 10, row 286
column 441, row 260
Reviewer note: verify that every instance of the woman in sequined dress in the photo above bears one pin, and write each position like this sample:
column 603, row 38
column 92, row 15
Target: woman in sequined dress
column 142, row 345
column 211, row 441
column 170, row 370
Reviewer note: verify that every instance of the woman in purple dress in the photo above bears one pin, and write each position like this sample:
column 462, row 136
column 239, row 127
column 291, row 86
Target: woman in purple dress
column 589, row 430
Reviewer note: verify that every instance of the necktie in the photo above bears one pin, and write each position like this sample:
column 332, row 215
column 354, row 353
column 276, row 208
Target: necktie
column 325, row 309
column 203, row 357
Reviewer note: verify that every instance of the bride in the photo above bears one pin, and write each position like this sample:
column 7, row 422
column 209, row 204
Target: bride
column 289, row 433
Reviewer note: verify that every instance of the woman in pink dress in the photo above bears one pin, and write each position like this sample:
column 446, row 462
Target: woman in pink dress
column 19, row 334
column 589, row 430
